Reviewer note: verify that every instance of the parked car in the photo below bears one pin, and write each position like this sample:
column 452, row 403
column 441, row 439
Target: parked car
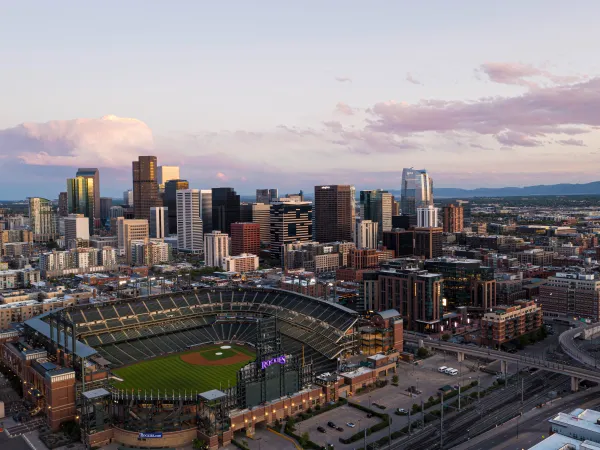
column 321, row 429
column 339, row 429
column 442, row 369
column 453, row 372
column 401, row 411
column 331, row 425
column 369, row 415
column 447, row 370
column 350, row 424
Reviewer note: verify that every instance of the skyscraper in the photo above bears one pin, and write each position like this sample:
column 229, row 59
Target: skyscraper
column 129, row 230
column 225, row 209
column 63, row 204
column 170, row 201
column 206, row 210
column 77, row 228
column 453, row 219
column 159, row 222
column 417, row 192
column 377, row 206
column 266, row 196
column 105, row 205
column 427, row 217
column 145, row 186
column 289, row 222
column 365, row 235
column 261, row 214
column 128, row 197
column 245, row 238
column 93, row 174
column 42, row 219
column 216, row 249
column 333, row 213
column 165, row 174
column 189, row 223
column 81, row 199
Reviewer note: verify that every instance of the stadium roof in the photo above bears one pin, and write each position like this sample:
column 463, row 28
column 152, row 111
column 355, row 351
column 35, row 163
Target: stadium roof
column 96, row 393
column 388, row 314
column 81, row 350
column 212, row 395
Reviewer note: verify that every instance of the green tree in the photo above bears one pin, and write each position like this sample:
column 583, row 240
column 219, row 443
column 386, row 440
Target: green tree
column 395, row 379
column 304, row 438
column 422, row 352
column 199, row 444
column 445, row 337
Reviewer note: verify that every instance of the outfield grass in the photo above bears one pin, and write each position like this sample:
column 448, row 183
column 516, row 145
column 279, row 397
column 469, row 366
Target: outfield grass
column 170, row 372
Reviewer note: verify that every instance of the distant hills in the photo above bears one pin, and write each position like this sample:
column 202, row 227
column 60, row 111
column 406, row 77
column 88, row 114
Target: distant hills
column 592, row 188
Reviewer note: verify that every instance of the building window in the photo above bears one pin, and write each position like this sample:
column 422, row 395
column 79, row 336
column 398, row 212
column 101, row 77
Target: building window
column 291, row 229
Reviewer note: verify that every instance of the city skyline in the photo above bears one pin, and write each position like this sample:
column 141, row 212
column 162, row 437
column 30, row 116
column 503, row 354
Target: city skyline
column 367, row 92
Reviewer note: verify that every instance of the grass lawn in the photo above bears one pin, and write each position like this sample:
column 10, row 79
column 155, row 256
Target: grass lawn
column 171, row 372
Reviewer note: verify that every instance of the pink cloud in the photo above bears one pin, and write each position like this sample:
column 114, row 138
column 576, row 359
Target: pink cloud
column 345, row 109
column 516, row 73
column 221, row 176
column 514, row 138
column 575, row 142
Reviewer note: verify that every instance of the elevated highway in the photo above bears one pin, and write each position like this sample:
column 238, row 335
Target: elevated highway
column 576, row 374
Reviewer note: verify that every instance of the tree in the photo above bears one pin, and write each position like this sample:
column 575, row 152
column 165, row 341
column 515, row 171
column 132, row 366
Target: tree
column 445, row 337
column 422, row 352
column 304, row 438
column 199, row 444
column 395, row 379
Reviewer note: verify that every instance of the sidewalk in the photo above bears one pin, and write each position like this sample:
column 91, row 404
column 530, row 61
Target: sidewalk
column 527, row 415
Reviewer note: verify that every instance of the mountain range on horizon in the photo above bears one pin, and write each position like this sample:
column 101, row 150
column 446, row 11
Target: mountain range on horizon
column 592, row 188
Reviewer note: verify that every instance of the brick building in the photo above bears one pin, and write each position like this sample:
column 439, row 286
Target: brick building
column 509, row 322
column 245, row 238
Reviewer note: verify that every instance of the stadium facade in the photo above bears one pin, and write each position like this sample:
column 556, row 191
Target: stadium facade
column 66, row 359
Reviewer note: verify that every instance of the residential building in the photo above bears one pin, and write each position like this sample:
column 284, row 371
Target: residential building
column 261, row 214
column 535, row 257
column 242, row 263
column 18, row 279
column 334, row 213
column 159, row 222
column 94, row 175
column 170, row 200
column 316, row 257
column 384, row 333
column 571, row 295
column 365, row 235
column 128, row 198
column 428, row 242
column 453, row 221
column 289, row 222
column 166, row 174
column 377, row 206
column 77, row 261
column 267, row 196
column 63, row 204
column 466, row 282
column 507, row 323
column 129, row 230
column 77, row 229
column 245, row 238
column 42, row 219
column 417, row 192
column 427, row 217
column 150, row 252
column 145, row 186
column 189, row 223
column 104, row 241
column 216, row 248
column 225, row 209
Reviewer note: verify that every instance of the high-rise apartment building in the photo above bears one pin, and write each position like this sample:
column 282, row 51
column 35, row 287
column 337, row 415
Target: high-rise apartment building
column 506, row 323
column 63, row 204
column 129, row 230
column 240, row 263
column 289, row 222
column 145, row 186
column 453, row 219
column 77, row 231
column 261, row 214
column 334, row 213
column 206, row 210
column 189, row 223
column 225, row 209
column 245, row 238
column 128, row 198
column 105, row 205
column 166, row 174
column 417, row 192
column 81, row 198
column 94, row 175
column 149, row 252
column 42, row 219
column 170, row 200
column 377, row 206
column 216, row 248
column 159, row 222
column 365, row 235
column 427, row 217
column 267, row 196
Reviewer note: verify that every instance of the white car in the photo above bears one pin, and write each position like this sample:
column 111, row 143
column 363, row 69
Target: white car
column 453, row 372
column 442, row 369
column 447, row 370
column 350, row 424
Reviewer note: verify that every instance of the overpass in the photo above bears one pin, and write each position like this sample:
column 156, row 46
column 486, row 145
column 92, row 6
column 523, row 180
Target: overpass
column 567, row 343
column 576, row 374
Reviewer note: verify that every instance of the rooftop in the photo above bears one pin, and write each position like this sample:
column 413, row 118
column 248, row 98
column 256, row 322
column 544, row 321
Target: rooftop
column 579, row 418
column 560, row 442
column 356, row 373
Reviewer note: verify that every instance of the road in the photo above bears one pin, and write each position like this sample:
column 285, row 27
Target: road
column 532, row 429
column 583, row 374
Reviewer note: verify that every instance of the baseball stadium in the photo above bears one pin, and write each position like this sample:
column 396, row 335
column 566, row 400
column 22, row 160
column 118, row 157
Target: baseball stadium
column 184, row 365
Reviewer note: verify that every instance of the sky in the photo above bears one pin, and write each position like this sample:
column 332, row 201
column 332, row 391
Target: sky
column 294, row 94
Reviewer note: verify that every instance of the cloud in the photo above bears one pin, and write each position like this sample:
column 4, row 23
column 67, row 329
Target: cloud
column 513, row 138
column 551, row 110
column 106, row 142
column 517, row 74
column 343, row 79
column 411, row 79
column 344, row 108
column 334, row 125
column 575, row 142
column 221, row 176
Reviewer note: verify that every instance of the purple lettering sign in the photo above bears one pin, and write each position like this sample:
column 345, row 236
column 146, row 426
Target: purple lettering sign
column 269, row 362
